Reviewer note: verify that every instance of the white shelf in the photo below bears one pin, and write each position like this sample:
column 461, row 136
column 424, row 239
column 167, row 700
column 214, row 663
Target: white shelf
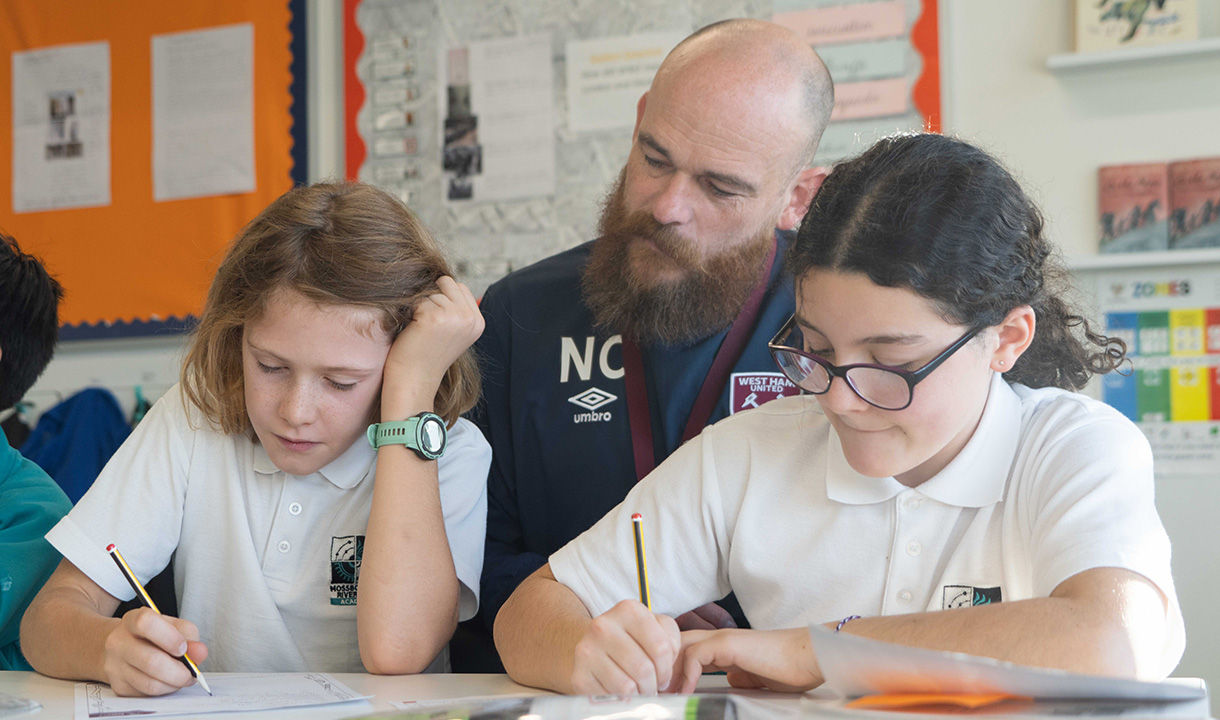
column 1076, row 61
column 1201, row 256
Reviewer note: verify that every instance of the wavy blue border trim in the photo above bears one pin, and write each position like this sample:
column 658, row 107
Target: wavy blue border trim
column 133, row 329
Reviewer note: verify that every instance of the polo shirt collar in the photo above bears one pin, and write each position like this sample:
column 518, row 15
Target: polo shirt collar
column 344, row 472
column 977, row 477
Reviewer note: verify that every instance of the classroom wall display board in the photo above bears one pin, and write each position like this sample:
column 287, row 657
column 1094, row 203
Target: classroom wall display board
column 1170, row 321
column 503, row 124
column 144, row 135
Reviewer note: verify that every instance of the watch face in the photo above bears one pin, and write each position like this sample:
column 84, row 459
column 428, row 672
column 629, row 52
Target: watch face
column 432, row 435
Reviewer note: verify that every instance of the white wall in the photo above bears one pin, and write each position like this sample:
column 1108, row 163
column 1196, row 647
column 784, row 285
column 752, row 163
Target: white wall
column 1053, row 130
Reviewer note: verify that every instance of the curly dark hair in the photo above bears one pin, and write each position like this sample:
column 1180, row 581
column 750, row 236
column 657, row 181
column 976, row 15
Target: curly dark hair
column 944, row 219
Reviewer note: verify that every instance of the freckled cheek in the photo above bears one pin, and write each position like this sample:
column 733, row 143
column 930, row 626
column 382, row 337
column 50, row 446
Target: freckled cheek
column 262, row 403
column 353, row 408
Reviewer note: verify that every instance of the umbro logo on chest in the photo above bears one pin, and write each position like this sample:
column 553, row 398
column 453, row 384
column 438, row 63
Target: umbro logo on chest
column 578, row 360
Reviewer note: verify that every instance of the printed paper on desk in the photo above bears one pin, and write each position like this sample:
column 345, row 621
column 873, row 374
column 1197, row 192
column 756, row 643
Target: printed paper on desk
column 602, row 707
column 855, row 666
column 236, row 692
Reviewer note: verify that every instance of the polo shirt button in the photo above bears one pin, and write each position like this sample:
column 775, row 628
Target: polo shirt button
column 285, row 546
column 904, row 596
column 295, row 508
column 913, row 548
column 912, row 504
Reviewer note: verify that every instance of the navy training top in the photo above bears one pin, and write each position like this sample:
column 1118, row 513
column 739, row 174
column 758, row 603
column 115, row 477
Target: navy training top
column 555, row 412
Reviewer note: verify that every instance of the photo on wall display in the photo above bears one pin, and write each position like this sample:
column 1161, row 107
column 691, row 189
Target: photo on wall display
column 63, row 128
column 461, row 154
column 497, row 128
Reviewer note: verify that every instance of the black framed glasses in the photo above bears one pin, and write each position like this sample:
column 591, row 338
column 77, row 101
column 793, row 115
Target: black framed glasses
column 881, row 386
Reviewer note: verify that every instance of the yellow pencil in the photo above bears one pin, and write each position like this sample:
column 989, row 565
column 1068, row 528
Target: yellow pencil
column 148, row 603
column 641, row 562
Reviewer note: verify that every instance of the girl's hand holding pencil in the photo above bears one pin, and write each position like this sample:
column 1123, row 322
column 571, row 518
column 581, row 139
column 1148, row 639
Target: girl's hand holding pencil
column 136, row 661
column 144, row 650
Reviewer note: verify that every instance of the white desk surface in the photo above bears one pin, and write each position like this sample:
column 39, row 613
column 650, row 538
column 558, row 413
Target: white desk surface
column 58, row 696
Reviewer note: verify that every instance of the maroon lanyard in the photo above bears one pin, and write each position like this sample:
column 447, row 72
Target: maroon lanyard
column 638, row 414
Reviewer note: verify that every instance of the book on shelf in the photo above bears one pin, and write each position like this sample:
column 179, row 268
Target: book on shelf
column 1194, row 203
column 1133, row 207
column 1116, row 24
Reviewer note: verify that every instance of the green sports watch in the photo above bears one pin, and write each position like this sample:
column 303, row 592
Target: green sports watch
column 424, row 433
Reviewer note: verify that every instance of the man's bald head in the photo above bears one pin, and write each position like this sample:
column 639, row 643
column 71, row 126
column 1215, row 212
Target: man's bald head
column 719, row 162
column 753, row 57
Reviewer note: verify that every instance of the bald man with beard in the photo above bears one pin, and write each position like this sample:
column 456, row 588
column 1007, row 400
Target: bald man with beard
column 600, row 361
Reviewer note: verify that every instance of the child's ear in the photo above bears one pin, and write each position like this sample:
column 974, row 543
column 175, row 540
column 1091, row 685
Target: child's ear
column 1016, row 332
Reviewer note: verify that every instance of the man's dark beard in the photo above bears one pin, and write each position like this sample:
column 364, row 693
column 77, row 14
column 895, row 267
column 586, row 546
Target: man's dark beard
column 632, row 301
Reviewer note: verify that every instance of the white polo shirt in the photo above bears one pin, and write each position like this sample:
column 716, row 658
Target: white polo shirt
column 764, row 503
column 265, row 563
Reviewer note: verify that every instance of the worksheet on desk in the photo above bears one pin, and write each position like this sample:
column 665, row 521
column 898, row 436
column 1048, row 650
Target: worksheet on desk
column 238, row 692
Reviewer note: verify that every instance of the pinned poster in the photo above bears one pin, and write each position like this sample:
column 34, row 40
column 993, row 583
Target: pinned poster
column 854, row 62
column 607, row 76
column 872, row 98
column 203, row 112
column 61, row 127
column 884, row 58
column 498, row 128
column 849, row 22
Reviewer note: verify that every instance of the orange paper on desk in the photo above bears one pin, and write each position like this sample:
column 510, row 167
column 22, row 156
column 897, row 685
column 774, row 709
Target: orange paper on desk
column 908, row 700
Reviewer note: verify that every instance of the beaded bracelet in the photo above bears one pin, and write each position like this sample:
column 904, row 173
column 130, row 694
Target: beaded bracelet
column 846, row 620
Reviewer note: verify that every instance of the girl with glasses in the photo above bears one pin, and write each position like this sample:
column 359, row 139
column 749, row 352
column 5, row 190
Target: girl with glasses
column 940, row 484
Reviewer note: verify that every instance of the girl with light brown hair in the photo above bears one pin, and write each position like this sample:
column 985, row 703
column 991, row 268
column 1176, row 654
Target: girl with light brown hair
column 312, row 456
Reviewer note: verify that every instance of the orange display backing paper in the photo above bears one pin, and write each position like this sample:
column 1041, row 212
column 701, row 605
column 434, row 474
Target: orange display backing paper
column 137, row 259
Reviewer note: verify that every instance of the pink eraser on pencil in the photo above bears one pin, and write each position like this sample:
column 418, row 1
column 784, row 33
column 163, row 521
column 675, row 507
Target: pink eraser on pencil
column 110, row 547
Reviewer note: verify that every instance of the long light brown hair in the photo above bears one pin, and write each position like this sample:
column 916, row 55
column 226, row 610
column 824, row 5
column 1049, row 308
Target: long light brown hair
column 336, row 244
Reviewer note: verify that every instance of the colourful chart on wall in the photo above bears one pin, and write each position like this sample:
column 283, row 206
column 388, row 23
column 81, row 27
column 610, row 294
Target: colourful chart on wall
column 1170, row 320
column 143, row 135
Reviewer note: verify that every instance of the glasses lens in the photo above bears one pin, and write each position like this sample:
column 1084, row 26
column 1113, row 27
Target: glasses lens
column 803, row 372
column 883, row 388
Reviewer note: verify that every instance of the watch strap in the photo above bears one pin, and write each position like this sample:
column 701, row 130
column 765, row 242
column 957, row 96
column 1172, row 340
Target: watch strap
column 406, row 432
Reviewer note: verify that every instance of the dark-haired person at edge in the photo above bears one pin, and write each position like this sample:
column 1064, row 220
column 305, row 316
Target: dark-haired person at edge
column 939, row 485
column 30, row 501
column 600, row 361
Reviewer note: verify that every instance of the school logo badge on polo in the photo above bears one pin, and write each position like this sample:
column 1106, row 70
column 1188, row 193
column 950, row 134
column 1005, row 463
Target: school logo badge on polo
column 750, row 390
column 345, row 555
column 967, row 595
